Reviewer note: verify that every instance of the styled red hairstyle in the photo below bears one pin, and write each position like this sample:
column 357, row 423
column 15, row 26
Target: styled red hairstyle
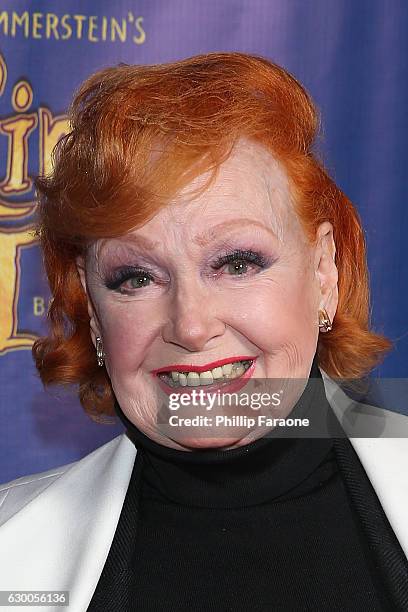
column 141, row 133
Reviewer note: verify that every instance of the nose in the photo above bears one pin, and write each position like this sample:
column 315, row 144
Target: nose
column 192, row 322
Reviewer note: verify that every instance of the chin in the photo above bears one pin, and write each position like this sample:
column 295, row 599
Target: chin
column 221, row 443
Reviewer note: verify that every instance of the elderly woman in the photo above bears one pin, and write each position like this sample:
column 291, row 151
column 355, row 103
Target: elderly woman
column 195, row 243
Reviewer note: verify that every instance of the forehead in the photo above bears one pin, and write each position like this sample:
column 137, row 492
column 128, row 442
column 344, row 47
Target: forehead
column 250, row 185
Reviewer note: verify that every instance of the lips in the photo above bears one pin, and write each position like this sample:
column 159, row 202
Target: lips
column 203, row 368
column 228, row 386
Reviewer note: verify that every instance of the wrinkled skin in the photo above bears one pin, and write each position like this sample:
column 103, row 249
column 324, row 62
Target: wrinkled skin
column 190, row 313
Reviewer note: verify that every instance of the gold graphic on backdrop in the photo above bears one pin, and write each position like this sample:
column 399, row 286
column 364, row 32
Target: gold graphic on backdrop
column 11, row 244
column 51, row 129
column 18, row 128
column 3, row 74
column 16, row 195
column 93, row 28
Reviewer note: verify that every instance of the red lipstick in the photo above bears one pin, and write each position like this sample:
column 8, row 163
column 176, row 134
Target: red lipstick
column 233, row 385
column 203, row 368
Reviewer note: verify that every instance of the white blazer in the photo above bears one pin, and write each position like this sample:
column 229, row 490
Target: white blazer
column 56, row 527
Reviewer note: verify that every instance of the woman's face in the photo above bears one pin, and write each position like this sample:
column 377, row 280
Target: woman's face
column 226, row 274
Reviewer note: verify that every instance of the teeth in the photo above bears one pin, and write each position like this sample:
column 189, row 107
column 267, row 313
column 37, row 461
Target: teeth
column 193, row 379
column 206, row 378
column 217, row 373
column 239, row 370
column 228, row 371
column 182, row 379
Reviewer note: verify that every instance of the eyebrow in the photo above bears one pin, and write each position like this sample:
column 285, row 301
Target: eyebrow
column 141, row 241
column 209, row 235
column 201, row 239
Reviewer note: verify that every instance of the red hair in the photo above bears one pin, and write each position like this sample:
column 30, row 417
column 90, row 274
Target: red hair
column 141, row 133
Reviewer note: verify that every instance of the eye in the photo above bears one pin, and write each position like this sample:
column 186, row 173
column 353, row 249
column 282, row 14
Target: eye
column 237, row 262
column 239, row 267
column 128, row 279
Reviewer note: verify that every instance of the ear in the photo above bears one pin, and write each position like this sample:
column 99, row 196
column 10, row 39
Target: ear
column 95, row 328
column 326, row 269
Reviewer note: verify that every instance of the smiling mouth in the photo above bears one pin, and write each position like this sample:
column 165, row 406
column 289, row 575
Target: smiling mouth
column 217, row 376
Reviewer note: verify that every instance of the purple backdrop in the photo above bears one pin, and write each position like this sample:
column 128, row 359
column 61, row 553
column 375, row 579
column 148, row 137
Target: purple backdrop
column 351, row 56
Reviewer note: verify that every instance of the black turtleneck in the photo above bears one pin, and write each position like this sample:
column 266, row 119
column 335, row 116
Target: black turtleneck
column 279, row 524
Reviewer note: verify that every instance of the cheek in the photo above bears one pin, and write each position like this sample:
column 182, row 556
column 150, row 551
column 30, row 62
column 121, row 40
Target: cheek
column 279, row 313
column 127, row 334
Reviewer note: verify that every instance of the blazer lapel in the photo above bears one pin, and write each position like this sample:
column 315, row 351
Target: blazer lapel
column 384, row 457
column 60, row 540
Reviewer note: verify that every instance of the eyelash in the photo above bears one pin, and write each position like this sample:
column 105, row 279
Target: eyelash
column 247, row 255
column 121, row 276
